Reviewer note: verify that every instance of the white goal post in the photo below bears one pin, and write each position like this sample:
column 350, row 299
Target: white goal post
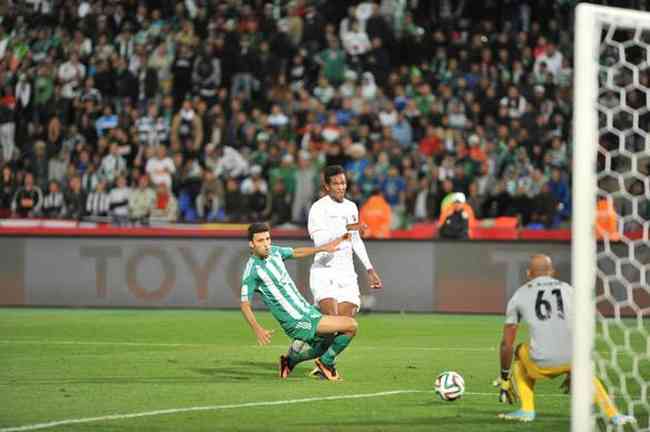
column 596, row 37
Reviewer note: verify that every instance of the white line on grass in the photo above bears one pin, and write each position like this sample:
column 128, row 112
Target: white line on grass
column 156, row 344
column 199, row 408
column 222, row 407
column 53, row 424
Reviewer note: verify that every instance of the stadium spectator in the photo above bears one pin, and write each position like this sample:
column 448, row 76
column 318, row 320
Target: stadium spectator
column 7, row 191
column 281, row 201
column 107, row 121
column 57, row 166
column 187, row 128
column 210, row 199
column 550, row 57
column 377, row 214
column 367, row 182
column 244, row 82
column 75, row 199
column 559, row 188
column 425, row 200
column 98, row 201
column 230, row 163
column 286, row 173
column 456, row 218
column 256, row 193
column 119, row 202
column 332, row 61
column 71, row 74
column 233, row 205
column 141, row 201
column 160, row 167
column 147, row 127
column 393, row 188
column 28, row 199
column 53, row 202
column 430, row 144
column 113, row 164
column 39, row 165
column 460, row 180
column 90, row 177
column 544, row 208
column 306, row 187
column 165, row 208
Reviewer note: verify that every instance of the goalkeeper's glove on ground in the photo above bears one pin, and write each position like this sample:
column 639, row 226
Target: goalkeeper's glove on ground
column 506, row 391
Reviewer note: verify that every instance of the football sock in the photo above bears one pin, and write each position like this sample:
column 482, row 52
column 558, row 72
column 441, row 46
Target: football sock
column 341, row 342
column 524, row 385
column 316, row 350
column 602, row 399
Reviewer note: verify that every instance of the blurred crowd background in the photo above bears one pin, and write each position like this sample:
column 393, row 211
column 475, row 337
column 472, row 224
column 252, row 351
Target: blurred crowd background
column 203, row 111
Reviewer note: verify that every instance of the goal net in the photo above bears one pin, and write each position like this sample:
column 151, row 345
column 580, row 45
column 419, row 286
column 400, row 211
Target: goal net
column 611, row 214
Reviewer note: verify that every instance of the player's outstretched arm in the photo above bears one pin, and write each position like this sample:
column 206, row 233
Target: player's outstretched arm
column 263, row 335
column 327, row 247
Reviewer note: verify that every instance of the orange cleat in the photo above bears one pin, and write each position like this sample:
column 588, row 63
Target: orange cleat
column 329, row 372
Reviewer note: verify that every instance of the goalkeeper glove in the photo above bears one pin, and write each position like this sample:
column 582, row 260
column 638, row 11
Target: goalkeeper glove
column 506, row 391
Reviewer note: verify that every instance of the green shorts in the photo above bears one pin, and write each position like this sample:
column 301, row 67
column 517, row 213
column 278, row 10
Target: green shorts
column 305, row 328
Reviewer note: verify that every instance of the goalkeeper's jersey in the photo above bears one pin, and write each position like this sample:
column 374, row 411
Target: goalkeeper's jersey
column 545, row 304
column 270, row 278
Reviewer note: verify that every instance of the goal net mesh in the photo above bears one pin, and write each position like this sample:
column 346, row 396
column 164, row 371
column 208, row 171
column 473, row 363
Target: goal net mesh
column 622, row 344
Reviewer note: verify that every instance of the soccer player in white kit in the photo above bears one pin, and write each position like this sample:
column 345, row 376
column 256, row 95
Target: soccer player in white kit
column 332, row 278
column 545, row 303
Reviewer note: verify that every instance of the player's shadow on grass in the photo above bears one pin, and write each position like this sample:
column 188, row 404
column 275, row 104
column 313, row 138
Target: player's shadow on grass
column 257, row 364
column 240, row 371
column 246, row 372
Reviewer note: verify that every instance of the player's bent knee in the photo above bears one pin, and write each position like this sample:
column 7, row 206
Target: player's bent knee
column 353, row 326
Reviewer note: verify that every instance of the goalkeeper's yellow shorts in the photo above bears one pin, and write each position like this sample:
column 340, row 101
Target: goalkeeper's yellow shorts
column 533, row 370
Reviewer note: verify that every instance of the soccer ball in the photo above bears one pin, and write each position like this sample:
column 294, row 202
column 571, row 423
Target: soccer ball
column 450, row 386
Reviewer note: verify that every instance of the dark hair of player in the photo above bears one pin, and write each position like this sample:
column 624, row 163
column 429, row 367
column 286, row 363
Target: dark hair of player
column 257, row 227
column 331, row 171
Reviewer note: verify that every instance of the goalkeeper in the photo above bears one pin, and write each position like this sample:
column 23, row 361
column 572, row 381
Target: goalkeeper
column 545, row 304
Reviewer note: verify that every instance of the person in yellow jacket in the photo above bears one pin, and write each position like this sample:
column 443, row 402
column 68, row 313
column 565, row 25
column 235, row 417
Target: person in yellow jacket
column 377, row 215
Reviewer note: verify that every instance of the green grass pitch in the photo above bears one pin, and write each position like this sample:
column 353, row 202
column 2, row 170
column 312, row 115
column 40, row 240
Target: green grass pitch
column 192, row 370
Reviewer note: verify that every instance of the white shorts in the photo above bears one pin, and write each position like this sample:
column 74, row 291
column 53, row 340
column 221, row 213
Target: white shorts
column 332, row 283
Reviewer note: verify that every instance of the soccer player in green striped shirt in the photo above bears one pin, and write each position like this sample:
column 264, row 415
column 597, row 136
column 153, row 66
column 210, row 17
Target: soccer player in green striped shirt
column 266, row 274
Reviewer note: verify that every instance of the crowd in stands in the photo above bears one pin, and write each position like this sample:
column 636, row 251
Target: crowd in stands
column 227, row 110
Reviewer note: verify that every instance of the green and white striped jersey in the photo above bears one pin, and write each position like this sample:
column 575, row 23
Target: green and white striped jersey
column 270, row 278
